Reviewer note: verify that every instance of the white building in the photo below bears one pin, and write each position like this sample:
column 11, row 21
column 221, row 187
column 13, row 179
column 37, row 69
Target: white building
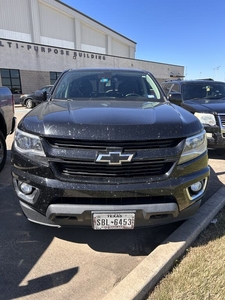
column 41, row 38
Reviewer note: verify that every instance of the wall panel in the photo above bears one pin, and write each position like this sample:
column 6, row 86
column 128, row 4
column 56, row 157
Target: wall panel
column 54, row 24
column 15, row 15
column 120, row 49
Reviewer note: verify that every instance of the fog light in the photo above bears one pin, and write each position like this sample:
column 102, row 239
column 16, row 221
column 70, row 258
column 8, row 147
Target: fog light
column 26, row 191
column 196, row 187
column 26, row 188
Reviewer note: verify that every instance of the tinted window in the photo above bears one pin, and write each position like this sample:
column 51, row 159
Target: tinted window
column 171, row 87
column 166, row 87
column 212, row 90
column 175, row 88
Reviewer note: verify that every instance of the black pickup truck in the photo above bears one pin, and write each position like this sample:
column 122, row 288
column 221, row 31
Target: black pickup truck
column 205, row 98
column 7, row 121
column 108, row 150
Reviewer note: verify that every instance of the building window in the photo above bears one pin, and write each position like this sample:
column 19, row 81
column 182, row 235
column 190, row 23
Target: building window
column 11, row 79
column 54, row 76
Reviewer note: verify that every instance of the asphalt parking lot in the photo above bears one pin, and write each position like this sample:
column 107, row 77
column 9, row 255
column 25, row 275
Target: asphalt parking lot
column 38, row 262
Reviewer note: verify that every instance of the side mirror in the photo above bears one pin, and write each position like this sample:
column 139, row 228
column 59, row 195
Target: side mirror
column 175, row 98
column 45, row 96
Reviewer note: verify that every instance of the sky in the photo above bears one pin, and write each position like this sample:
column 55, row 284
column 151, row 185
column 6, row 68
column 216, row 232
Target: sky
column 190, row 33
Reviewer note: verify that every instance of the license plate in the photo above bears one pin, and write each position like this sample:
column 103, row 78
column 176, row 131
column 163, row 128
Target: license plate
column 113, row 220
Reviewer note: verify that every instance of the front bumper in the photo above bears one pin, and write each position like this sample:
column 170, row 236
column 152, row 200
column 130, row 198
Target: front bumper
column 76, row 215
column 216, row 140
column 61, row 203
column 216, row 134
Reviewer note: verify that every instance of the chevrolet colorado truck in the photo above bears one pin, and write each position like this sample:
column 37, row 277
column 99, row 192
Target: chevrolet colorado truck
column 108, row 150
column 7, row 121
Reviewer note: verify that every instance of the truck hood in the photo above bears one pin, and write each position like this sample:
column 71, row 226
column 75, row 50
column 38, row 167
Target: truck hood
column 110, row 120
column 205, row 105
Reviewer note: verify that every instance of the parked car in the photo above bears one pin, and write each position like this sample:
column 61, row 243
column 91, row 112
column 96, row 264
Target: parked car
column 108, row 150
column 205, row 98
column 35, row 98
column 7, row 121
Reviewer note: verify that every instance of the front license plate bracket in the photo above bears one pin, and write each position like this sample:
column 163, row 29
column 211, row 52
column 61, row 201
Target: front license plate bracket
column 113, row 220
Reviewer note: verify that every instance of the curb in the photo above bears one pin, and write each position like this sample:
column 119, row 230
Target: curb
column 137, row 284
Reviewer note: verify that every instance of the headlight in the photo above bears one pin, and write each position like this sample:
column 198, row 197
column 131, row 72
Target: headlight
column 194, row 146
column 30, row 146
column 206, row 118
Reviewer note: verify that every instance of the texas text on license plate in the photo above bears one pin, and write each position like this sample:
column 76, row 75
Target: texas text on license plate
column 118, row 220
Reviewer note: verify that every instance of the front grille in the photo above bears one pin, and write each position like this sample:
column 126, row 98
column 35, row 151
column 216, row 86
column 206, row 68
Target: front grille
column 77, row 158
column 115, row 201
column 97, row 144
column 138, row 168
column 222, row 119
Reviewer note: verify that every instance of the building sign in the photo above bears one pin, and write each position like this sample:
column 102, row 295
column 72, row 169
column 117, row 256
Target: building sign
column 51, row 50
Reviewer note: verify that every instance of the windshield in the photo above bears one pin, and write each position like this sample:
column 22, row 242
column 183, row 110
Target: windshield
column 112, row 84
column 206, row 90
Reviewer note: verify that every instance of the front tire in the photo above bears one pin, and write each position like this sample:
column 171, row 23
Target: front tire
column 3, row 152
column 29, row 103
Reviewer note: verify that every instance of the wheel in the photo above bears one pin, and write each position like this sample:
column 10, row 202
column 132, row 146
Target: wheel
column 29, row 103
column 3, row 152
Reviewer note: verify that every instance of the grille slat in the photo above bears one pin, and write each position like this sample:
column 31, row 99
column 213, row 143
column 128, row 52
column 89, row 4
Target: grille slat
column 222, row 119
column 127, row 170
column 68, row 143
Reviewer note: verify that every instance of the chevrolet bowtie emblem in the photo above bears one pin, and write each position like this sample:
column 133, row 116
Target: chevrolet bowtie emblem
column 114, row 157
